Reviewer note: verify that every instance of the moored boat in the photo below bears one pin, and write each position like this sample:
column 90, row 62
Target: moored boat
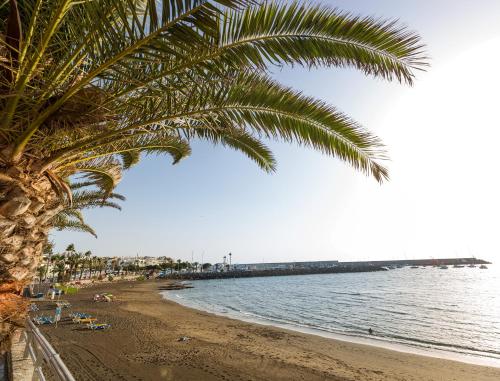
column 483, row 267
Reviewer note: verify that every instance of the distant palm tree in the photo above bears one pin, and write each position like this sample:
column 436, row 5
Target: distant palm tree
column 61, row 269
column 73, row 259
column 170, row 262
column 87, row 86
column 85, row 262
column 54, row 259
column 164, row 266
column 41, row 270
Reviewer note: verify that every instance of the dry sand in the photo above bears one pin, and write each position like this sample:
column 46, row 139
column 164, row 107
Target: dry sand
column 143, row 345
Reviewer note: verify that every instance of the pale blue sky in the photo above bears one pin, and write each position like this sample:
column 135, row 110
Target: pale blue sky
column 437, row 204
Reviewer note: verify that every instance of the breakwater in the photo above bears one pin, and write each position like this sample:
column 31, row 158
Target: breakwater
column 421, row 262
column 275, row 272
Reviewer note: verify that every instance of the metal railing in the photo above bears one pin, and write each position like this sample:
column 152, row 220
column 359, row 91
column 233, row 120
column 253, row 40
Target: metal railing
column 41, row 352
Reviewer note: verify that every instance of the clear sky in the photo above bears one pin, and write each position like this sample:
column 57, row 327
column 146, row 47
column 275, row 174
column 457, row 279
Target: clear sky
column 442, row 137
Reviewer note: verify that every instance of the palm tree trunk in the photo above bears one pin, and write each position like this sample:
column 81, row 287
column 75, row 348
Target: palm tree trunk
column 27, row 205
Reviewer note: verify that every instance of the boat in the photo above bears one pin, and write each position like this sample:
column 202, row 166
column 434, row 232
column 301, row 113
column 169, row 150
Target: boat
column 472, row 265
column 414, row 267
column 458, row 266
column 443, row 267
column 483, row 267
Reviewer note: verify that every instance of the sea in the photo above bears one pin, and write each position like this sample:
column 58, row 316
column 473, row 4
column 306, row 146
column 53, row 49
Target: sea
column 453, row 313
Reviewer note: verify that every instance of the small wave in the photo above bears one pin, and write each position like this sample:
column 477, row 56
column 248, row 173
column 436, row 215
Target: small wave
column 447, row 346
column 393, row 311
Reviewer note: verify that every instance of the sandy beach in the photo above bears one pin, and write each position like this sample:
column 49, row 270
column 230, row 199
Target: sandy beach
column 143, row 344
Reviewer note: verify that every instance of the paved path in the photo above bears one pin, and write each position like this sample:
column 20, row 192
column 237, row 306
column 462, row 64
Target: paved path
column 22, row 368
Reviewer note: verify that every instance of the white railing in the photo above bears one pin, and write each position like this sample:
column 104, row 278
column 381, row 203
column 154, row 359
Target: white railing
column 41, row 352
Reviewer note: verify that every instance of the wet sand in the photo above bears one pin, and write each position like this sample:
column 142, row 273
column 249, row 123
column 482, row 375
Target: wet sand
column 143, row 345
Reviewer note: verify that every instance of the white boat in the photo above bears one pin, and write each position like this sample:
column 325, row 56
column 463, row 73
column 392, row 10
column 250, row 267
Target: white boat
column 458, row 266
column 443, row 267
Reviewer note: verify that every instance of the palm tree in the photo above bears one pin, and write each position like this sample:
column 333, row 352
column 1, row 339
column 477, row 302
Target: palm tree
column 54, row 260
column 41, row 271
column 86, row 87
column 170, row 262
column 164, row 266
column 48, row 253
column 73, row 259
column 101, row 265
column 179, row 264
column 85, row 262
column 206, row 266
column 91, row 264
column 61, row 269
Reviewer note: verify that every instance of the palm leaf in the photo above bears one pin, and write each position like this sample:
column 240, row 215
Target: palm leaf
column 61, row 222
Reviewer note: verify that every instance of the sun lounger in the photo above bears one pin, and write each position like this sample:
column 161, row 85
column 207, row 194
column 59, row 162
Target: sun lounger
column 103, row 297
column 98, row 326
column 79, row 315
column 63, row 304
column 33, row 307
column 84, row 320
column 41, row 320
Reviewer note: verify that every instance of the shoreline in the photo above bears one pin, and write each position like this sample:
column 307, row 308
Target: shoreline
column 444, row 354
column 143, row 344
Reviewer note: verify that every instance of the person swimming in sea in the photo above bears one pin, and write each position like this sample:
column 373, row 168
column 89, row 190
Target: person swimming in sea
column 370, row 331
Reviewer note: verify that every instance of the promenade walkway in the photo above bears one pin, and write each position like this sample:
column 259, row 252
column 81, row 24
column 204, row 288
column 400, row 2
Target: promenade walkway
column 23, row 366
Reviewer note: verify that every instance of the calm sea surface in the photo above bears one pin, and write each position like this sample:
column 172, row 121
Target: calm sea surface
column 441, row 311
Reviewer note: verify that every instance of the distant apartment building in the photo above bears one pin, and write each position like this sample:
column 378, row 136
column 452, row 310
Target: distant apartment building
column 142, row 261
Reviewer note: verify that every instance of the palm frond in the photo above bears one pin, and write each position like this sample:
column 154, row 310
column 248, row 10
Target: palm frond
column 239, row 140
column 130, row 158
column 87, row 199
column 106, row 174
column 61, row 222
column 318, row 36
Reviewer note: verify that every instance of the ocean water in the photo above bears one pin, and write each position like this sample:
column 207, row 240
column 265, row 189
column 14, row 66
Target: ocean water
column 442, row 312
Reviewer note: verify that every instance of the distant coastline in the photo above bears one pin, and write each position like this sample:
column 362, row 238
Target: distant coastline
column 339, row 267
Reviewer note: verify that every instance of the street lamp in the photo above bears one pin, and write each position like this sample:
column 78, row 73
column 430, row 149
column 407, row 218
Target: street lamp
column 230, row 255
